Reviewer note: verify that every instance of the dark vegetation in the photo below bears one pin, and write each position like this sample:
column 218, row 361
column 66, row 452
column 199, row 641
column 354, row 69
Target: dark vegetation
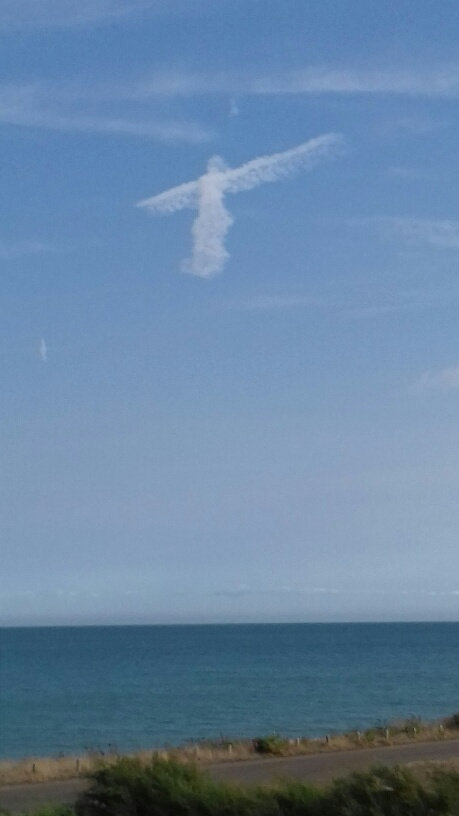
column 168, row 788
column 452, row 722
column 273, row 744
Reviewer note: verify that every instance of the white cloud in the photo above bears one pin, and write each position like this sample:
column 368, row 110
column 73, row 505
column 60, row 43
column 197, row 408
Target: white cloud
column 65, row 108
column 17, row 14
column 313, row 80
column 233, row 108
column 408, row 173
column 264, row 303
column 441, row 81
column 207, row 193
column 446, row 379
column 11, row 252
column 43, row 350
column 441, row 233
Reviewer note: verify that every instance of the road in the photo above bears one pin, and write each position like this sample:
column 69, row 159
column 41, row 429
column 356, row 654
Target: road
column 310, row 768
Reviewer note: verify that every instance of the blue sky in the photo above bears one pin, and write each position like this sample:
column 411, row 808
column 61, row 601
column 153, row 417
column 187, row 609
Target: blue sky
column 277, row 440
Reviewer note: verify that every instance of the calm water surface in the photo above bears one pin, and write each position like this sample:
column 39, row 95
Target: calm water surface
column 70, row 689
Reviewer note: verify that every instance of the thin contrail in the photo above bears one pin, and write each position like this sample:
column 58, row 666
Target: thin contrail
column 207, row 193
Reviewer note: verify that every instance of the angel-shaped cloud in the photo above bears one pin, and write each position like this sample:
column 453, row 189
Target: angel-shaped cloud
column 207, row 193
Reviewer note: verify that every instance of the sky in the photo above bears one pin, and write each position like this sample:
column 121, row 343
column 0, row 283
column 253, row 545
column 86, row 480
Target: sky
column 238, row 400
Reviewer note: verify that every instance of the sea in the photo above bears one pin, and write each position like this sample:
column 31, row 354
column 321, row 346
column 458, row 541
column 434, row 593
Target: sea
column 74, row 689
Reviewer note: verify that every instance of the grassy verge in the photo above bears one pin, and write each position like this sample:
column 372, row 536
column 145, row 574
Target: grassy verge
column 396, row 733
column 170, row 788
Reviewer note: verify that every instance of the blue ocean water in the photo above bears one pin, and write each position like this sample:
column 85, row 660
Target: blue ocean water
column 71, row 689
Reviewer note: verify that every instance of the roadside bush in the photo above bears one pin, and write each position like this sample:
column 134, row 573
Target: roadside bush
column 380, row 792
column 414, row 725
column 452, row 722
column 165, row 788
column 296, row 799
column 445, row 785
column 273, row 744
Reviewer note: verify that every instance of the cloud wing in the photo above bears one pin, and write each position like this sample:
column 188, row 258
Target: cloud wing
column 280, row 165
column 177, row 198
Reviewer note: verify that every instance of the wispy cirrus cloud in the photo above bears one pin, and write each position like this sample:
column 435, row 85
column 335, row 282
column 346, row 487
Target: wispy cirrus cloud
column 443, row 81
column 20, row 249
column 75, row 106
column 436, row 81
column 69, row 108
column 267, row 303
column 446, row 379
column 20, row 14
column 439, row 233
column 409, row 172
column 207, row 194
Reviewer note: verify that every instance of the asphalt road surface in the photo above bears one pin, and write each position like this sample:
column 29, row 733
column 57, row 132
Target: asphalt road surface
column 311, row 768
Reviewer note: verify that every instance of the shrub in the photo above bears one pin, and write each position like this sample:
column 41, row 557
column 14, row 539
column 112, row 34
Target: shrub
column 370, row 734
column 413, row 725
column 164, row 788
column 380, row 792
column 167, row 788
column 272, row 744
column 445, row 785
column 452, row 722
column 296, row 799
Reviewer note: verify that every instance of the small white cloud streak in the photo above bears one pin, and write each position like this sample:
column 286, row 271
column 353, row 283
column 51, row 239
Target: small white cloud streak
column 313, row 80
column 233, row 108
column 438, row 81
column 18, row 14
column 12, row 252
column 443, row 234
column 44, row 107
column 207, row 196
column 407, row 173
column 437, row 233
column 43, row 350
column 447, row 379
column 265, row 303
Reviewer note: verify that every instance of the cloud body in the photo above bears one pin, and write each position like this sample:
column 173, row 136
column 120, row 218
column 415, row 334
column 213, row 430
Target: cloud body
column 207, row 193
